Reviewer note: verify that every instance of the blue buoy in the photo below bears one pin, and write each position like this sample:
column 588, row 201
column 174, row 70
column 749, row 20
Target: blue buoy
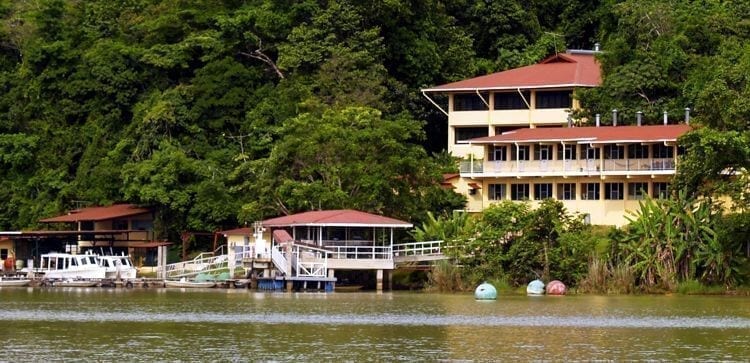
column 535, row 287
column 485, row 291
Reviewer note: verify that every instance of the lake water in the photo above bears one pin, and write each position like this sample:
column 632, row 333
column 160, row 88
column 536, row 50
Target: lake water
column 42, row 324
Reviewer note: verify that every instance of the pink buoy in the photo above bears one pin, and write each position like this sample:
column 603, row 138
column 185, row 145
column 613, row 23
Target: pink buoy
column 556, row 287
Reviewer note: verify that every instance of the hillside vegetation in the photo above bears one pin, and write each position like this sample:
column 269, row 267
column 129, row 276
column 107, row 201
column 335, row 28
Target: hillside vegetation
column 216, row 113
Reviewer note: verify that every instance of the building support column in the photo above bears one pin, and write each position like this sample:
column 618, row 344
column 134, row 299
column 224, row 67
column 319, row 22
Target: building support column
column 379, row 278
column 288, row 274
column 389, row 276
column 331, row 274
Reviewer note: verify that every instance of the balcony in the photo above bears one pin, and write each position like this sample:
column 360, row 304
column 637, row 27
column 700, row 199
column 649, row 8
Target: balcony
column 471, row 166
column 585, row 167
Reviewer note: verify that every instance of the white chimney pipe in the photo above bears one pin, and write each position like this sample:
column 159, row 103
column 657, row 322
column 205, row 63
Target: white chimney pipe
column 596, row 47
column 614, row 117
column 666, row 117
column 598, row 119
column 687, row 115
column 639, row 118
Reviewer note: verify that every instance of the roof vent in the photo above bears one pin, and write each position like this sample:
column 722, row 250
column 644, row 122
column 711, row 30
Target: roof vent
column 596, row 47
column 598, row 120
column 570, row 121
column 687, row 115
column 639, row 118
column 614, row 117
column 666, row 117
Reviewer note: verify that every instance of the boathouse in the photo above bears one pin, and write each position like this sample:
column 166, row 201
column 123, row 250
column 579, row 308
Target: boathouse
column 312, row 246
column 119, row 228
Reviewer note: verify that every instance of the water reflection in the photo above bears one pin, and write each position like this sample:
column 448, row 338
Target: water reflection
column 147, row 325
column 188, row 316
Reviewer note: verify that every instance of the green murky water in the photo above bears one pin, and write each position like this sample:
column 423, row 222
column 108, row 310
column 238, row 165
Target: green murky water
column 45, row 324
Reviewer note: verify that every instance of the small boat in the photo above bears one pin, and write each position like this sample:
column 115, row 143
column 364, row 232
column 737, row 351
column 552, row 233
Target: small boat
column 535, row 287
column 7, row 282
column 184, row 283
column 348, row 288
column 62, row 266
column 117, row 267
column 75, row 283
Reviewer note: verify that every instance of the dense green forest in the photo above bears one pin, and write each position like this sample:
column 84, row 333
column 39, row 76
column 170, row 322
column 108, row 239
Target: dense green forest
column 217, row 113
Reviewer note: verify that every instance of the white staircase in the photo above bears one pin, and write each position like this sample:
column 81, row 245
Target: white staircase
column 278, row 259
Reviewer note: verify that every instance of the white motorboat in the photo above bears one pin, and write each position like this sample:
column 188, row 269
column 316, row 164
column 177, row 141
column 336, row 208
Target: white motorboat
column 66, row 266
column 6, row 282
column 118, row 267
column 184, row 283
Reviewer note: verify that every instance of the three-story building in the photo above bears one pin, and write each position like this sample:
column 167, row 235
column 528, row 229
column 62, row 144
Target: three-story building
column 513, row 133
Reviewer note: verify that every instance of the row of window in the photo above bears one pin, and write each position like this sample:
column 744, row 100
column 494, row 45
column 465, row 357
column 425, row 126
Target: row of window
column 568, row 152
column 512, row 100
column 589, row 191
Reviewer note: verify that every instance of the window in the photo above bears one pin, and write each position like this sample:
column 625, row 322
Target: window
column 543, row 152
column 497, row 191
column 469, row 102
column 567, row 152
column 119, row 224
column 637, row 190
column 566, row 191
column 589, row 152
column 87, row 226
column 464, row 134
column 3, row 254
column 636, row 151
column 497, row 153
column 554, row 99
column 542, row 191
column 614, row 152
column 662, row 152
column 614, row 191
column 590, row 191
column 519, row 191
column 661, row 190
column 511, row 100
column 144, row 225
column 522, row 151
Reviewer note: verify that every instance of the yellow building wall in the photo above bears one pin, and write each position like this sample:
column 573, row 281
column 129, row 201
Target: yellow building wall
column 8, row 245
column 602, row 211
column 503, row 118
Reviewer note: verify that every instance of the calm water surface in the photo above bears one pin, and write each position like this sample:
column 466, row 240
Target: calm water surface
column 45, row 324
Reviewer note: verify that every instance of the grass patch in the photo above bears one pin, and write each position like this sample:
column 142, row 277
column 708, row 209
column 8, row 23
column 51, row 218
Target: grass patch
column 694, row 287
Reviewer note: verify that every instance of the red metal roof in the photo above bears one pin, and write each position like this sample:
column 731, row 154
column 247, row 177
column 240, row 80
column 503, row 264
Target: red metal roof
column 560, row 70
column 245, row 231
column 98, row 213
column 282, row 236
column 340, row 218
column 593, row 135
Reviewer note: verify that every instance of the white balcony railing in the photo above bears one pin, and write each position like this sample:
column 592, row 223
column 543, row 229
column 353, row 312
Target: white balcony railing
column 360, row 252
column 561, row 167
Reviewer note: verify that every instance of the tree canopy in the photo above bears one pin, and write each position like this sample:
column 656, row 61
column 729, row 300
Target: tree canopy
column 220, row 112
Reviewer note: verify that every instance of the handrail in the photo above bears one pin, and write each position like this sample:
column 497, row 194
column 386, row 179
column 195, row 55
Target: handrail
column 418, row 248
column 361, row 252
column 278, row 259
